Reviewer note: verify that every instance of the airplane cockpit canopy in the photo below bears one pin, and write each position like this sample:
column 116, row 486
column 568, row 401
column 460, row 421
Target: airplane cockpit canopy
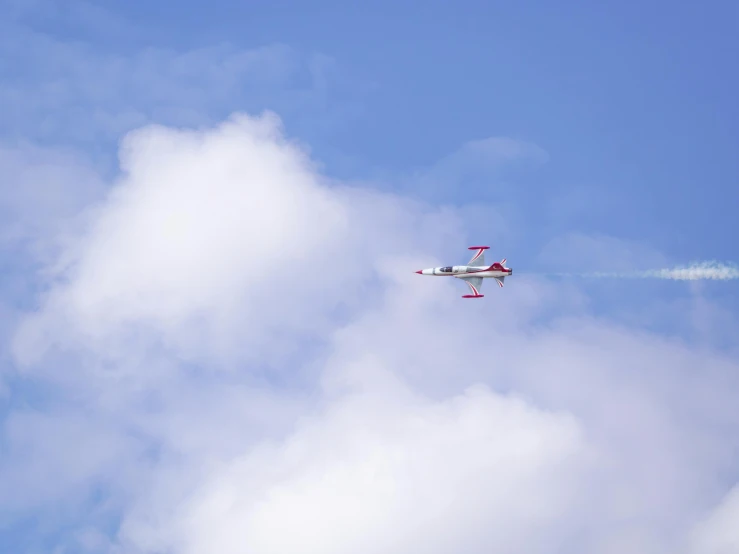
column 446, row 270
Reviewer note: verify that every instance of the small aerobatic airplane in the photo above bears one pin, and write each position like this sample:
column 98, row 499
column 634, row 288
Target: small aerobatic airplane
column 474, row 272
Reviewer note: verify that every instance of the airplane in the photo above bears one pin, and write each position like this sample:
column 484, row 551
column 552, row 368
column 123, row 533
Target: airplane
column 474, row 272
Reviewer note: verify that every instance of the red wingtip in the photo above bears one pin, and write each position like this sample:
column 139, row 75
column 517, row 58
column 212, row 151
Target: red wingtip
column 478, row 247
column 473, row 296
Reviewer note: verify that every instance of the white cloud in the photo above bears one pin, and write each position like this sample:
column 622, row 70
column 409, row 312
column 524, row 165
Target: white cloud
column 386, row 471
column 224, row 240
column 59, row 456
column 477, row 166
column 490, row 153
column 719, row 532
column 366, row 408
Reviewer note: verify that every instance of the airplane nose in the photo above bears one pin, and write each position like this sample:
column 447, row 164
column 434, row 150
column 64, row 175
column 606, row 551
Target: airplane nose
column 420, row 271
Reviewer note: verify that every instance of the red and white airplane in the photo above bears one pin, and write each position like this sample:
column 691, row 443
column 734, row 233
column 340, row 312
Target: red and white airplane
column 474, row 272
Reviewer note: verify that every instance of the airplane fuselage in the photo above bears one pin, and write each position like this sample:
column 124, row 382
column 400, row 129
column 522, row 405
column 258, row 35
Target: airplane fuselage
column 474, row 272
column 496, row 270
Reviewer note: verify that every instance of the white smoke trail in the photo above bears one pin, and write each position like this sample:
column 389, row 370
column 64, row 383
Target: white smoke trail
column 693, row 272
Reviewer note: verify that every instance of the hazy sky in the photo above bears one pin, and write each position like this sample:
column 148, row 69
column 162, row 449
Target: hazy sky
column 214, row 338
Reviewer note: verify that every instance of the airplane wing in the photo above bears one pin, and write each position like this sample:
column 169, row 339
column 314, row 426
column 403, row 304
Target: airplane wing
column 478, row 260
column 475, row 284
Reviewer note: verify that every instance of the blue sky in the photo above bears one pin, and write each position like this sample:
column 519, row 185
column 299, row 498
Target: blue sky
column 581, row 136
column 634, row 104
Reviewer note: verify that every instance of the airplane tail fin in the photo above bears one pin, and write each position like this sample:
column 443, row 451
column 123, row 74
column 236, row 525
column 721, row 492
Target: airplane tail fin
column 498, row 266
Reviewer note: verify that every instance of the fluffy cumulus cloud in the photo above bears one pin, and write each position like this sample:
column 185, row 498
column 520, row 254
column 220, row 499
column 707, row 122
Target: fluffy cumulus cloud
column 222, row 242
column 385, row 470
column 233, row 354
